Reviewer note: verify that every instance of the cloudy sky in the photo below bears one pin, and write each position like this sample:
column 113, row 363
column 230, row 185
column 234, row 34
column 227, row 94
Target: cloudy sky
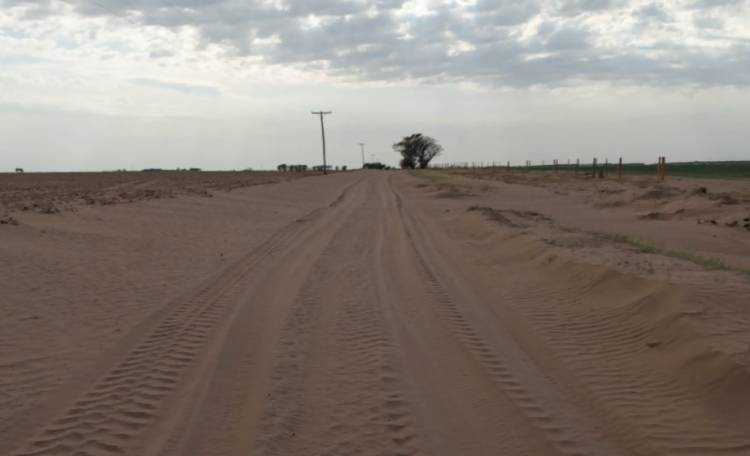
column 229, row 84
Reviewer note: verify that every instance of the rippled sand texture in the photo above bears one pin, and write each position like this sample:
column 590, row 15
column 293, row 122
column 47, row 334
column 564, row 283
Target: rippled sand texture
column 379, row 313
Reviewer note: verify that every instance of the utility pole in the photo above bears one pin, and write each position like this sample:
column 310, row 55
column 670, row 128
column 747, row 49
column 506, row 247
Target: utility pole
column 323, row 135
column 362, row 146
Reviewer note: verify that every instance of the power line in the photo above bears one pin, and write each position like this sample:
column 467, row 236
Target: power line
column 323, row 135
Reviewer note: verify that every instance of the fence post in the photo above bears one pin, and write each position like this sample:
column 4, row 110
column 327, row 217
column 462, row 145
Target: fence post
column 662, row 168
column 658, row 169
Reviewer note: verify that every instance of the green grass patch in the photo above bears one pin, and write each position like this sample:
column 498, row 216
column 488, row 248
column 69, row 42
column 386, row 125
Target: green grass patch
column 708, row 170
column 642, row 247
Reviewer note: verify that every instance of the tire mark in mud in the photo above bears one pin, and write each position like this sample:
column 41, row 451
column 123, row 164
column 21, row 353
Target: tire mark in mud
column 106, row 418
column 534, row 395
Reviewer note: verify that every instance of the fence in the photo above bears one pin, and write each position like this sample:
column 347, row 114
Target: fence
column 597, row 169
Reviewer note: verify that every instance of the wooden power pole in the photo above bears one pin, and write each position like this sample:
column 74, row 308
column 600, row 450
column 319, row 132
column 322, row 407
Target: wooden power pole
column 323, row 135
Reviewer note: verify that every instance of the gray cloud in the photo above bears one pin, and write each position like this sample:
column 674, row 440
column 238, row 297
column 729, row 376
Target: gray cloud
column 707, row 22
column 652, row 13
column 716, row 3
column 188, row 89
column 574, row 7
column 376, row 40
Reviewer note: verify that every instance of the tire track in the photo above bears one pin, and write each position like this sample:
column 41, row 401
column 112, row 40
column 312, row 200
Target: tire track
column 655, row 419
column 612, row 335
column 370, row 413
column 350, row 401
column 284, row 414
column 109, row 416
column 222, row 402
column 510, row 367
column 660, row 368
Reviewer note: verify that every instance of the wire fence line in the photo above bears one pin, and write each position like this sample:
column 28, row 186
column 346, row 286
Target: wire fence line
column 595, row 168
column 604, row 168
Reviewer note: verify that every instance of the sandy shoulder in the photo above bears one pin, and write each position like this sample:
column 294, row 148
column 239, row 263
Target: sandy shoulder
column 75, row 282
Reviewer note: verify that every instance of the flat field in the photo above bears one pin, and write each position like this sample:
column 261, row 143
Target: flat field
column 53, row 192
column 461, row 312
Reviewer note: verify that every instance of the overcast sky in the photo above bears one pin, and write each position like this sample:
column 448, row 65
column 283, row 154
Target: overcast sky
column 229, row 84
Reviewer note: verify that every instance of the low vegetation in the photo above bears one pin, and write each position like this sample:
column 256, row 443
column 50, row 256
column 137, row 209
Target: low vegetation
column 375, row 165
column 643, row 247
column 723, row 169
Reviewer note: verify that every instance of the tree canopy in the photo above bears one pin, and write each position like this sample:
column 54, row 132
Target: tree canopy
column 417, row 150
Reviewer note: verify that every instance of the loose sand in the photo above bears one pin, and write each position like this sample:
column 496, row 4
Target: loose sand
column 376, row 313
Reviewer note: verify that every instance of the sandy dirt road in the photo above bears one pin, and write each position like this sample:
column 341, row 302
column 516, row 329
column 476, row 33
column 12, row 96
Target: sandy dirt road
column 382, row 323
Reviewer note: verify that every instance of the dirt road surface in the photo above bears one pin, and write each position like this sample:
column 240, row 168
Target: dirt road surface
column 356, row 314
